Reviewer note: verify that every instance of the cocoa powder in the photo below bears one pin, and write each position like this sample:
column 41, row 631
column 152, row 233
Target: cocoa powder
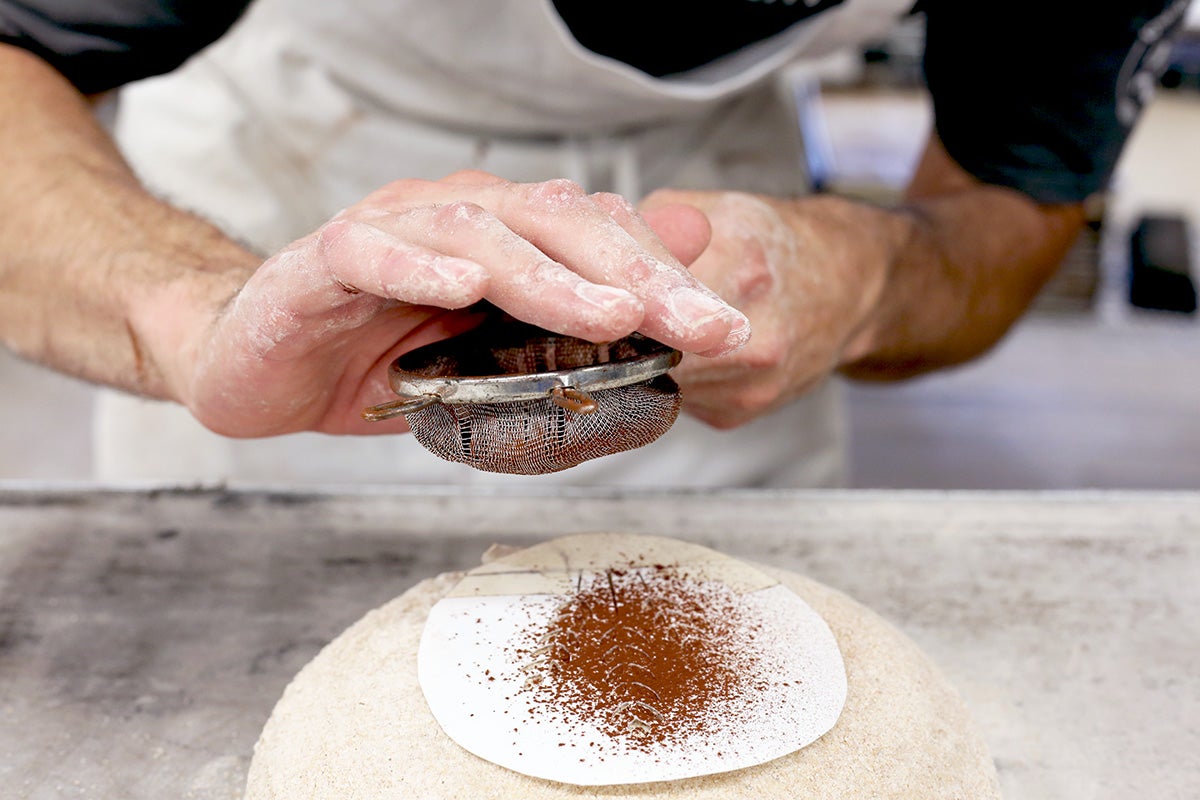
column 647, row 656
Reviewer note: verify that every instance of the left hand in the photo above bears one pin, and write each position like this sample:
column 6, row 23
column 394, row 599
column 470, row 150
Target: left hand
column 305, row 341
column 808, row 273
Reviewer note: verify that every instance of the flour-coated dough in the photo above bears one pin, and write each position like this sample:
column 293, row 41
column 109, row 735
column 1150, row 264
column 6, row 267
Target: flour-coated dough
column 353, row 725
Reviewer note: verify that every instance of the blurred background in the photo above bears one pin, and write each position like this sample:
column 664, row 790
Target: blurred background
column 1098, row 387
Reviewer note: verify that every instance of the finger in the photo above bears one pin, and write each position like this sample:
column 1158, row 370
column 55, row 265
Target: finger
column 604, row 239
column 697, row 370
column 523, row 280
column 715, row 418
column 726, row 406
column 686, row 232
column 683, row 229
column 361, row 254
column 712, row 403
column 472, row 177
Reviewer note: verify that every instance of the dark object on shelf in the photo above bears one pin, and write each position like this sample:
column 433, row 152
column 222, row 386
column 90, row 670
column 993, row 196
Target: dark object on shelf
column 895, row 61
column 1183, row 67
column 1160, row 263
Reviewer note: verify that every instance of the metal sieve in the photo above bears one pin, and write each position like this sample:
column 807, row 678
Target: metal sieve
column 510, row 397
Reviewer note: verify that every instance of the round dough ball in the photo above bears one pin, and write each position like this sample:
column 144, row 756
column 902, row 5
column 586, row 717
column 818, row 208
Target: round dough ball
column 354, row 725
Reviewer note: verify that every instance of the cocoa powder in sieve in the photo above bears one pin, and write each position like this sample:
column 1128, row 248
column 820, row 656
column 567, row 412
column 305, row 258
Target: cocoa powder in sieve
column 645, row 655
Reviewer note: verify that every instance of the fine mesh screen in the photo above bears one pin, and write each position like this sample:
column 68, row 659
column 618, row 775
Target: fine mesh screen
column 533, row 437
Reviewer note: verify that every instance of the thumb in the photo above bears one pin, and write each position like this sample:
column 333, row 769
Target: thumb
column 684, row 229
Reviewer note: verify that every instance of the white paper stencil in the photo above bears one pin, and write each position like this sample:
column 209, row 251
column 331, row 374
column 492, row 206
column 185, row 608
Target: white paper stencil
column 601, row 659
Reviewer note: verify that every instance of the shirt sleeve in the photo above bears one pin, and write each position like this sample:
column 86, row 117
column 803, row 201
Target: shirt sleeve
column 1041, row 97
column 102, row 44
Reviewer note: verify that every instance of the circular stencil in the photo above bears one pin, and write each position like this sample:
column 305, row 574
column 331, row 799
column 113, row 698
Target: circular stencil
column 613, row 658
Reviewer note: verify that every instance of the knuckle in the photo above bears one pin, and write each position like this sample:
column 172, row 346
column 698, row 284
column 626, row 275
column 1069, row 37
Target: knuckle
column 544, row 272
column 618, row 206
column 755, row 277
column 458, row 213
column 331, row 236
column 556, row 193
column 640, row 270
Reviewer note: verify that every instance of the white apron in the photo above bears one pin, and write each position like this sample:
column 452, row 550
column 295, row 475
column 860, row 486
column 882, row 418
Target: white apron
column 304, row 108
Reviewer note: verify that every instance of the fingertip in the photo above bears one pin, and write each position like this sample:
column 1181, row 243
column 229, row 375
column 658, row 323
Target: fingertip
column 467, row 282
column 737, row 338
column 719, row 335
column 724, row 349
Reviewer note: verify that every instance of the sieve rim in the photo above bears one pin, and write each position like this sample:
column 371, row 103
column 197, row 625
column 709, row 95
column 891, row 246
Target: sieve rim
column 534, row 385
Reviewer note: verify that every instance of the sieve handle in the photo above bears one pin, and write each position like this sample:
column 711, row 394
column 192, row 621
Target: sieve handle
column 396, row 408
column 573, row 400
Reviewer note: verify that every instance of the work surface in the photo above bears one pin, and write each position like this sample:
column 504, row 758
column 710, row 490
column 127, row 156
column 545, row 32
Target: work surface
column 146, row 635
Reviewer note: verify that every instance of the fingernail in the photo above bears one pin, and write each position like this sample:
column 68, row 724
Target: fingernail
column 448, row 282
column 456, row 269
column 606, row 297
column 697, row 308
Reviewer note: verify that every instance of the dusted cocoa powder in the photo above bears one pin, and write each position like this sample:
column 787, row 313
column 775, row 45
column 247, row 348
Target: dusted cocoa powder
column 647, row 656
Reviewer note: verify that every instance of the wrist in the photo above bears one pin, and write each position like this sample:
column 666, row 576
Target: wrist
column 871, row 241
column 169, row 320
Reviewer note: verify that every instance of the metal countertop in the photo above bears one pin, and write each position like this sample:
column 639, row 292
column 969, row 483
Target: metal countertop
column 145, row 634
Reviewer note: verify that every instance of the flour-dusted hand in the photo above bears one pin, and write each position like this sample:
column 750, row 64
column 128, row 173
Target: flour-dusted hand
column 804, row 275
column 871, row 292
column 305, row 343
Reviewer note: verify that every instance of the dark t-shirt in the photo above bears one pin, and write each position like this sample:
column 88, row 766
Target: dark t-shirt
column 1039, row 97
column 102, row 44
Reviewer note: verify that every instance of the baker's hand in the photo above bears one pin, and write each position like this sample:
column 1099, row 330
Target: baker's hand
column 806, row 274
column 305, row 343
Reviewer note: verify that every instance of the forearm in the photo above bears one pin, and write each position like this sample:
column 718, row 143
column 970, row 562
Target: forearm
column 98, row 278
column 971, row 260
